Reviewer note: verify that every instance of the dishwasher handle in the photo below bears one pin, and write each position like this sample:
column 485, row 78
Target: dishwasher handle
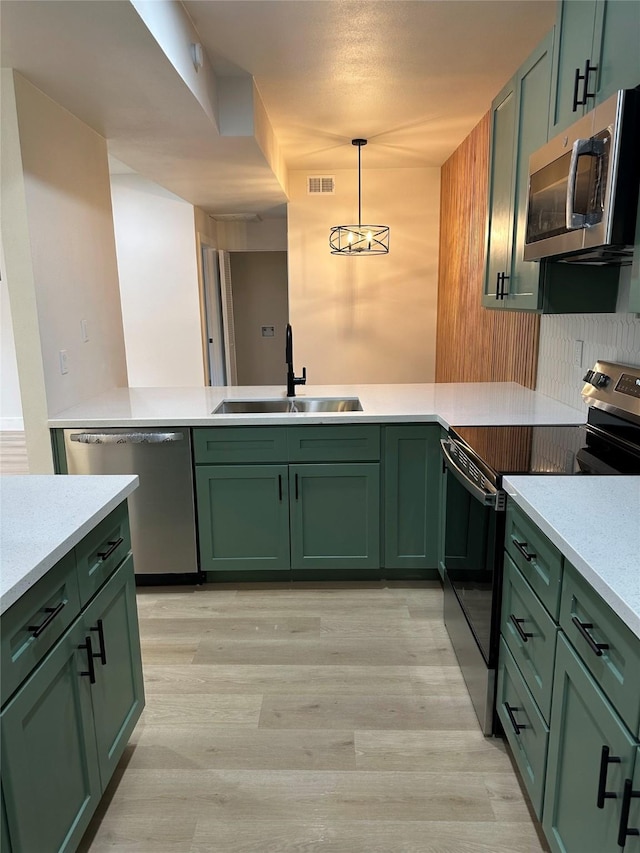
column 488, row 497
column 126, row 437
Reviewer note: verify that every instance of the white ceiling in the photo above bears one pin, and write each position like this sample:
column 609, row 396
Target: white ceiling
column 412, row 77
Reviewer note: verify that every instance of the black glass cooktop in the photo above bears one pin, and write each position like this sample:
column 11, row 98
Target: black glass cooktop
column 584, row 449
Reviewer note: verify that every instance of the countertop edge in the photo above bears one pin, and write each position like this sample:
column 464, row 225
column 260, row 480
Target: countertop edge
column 37, row 572
column 617, row 603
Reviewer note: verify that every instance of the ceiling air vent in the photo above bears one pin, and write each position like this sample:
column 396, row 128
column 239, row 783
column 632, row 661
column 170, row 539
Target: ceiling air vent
column 321, row 185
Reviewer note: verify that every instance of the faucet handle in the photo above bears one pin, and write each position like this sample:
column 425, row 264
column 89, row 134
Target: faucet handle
column 301, row 380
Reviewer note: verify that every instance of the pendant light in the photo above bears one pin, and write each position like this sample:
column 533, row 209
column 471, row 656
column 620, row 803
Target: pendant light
column 359, row 239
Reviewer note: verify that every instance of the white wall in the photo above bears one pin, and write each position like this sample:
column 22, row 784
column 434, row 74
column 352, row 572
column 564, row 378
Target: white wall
column 366, row 319
column 157, row 265
column 60, row 258
column 10, row 402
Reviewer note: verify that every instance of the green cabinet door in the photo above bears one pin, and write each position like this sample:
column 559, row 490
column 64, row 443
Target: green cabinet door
column 111, row 620
column 523, row 290
column 412, row 474
column 500, row 224
column 335, row 516
column 575, row 27
column 582, row 723
column 50, row 774
column 5, row 844
column 442, row 497
column 243, row 517
column 616, row 43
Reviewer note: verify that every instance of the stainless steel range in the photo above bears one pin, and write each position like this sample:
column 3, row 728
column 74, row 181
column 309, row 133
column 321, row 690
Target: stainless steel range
column 476, row 458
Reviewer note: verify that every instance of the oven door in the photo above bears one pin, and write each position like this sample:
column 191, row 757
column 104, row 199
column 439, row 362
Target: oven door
column 474, row 534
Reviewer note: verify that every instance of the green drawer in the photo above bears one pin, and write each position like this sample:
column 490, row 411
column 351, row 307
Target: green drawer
column 33, row 624
column 530, row 634
column 537, row 558
column 529, row 744
column 228, row 445
column 616, row 669
column 346, row 443
column 101, row 551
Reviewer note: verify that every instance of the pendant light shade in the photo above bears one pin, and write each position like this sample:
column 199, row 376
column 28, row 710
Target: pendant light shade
column 359, row 239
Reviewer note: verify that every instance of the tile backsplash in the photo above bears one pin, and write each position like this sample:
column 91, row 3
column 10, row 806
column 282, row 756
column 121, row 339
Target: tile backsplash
column 608, row 337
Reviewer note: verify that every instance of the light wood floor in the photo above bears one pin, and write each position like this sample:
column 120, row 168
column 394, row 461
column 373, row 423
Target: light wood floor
column 13, row 453
column 326, row 717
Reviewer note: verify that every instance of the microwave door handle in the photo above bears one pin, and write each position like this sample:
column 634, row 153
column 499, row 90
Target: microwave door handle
column 593, row 147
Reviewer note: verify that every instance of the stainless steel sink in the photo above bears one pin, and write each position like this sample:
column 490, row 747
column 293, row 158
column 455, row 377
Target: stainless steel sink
column 288, row 405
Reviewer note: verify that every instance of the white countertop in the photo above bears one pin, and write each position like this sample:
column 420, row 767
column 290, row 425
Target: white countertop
column 42, row 517
column 595, row 522
column 449, row 404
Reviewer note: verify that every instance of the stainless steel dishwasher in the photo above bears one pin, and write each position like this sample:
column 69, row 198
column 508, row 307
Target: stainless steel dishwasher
column 161, row 510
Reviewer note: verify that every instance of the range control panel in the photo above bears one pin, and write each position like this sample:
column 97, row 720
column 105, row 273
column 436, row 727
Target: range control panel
column 614, row 387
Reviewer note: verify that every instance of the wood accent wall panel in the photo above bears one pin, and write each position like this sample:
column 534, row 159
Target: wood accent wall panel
column 475, row 344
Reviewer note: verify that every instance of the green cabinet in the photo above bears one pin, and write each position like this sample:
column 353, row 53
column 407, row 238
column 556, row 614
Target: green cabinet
column 335, row 515
column 111, row 621
column 243, row 517
column 412, row 484
column 590, row 752
column 50, row 772
column 66, row 725
column 596, row 53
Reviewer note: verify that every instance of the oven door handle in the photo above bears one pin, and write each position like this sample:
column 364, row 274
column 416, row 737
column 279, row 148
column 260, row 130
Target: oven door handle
column 486, row 497
column 581, row 147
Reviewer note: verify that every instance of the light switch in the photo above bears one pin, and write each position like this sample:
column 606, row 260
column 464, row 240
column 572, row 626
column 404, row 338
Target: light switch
column 577, row 353
column 64, row 362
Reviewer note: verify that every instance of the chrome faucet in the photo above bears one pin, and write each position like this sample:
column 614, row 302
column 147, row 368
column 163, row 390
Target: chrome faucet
column 292, row 379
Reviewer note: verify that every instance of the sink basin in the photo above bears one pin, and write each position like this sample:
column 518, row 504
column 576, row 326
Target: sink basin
column 288, row 405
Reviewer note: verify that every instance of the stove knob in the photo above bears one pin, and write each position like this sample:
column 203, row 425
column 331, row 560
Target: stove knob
column 588, row 376
column 602, row 380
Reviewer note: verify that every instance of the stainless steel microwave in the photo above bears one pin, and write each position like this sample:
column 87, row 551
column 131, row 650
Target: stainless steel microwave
column 583, row 187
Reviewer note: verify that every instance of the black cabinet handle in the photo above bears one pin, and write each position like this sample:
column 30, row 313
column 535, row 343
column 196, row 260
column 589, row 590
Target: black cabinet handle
column 91, row 671
column 498, row 285
column 503, row 290
column 106, row 554
column 524, row 636
column 102, row 654
column 52, row 612
column 517, row 727
column 596, row 648
column 280, row 487
column 605, row 761
column 588, row 68
column 522, row 547
column 624, row 829
column 296, row 482
column 576, row 84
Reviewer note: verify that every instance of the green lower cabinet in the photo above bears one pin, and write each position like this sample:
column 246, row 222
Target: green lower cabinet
column 524, row 726
column 583, row 724
column 243, row 517
column 411, row 496
column 335, row 516
column 111, row 621
column 50, row 775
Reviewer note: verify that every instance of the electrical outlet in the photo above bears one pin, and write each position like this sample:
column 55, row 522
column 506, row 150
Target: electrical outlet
column 64, row 362
column 84, row 331
column 577, row 353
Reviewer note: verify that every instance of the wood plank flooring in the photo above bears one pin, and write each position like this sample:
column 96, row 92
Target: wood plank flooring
column 307, row 717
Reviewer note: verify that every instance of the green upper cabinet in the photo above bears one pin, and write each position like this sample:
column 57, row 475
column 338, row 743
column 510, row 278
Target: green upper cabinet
column 517, row 131
column 596, row 53
column 412, row 474
column 335, row 515
column 243, row 516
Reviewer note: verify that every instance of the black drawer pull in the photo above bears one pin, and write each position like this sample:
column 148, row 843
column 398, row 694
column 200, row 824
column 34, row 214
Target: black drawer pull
column 102, row 654
column 498, row 285
column 91, row 671
column 279, row 487
column 605, row 761
column 296, row 479
column 576, row 84
column 524, row 635
column 522, row 547
column 517, row 727
column 624, row 830
column 104, row 555
column 596, row 648
column 53, row 612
